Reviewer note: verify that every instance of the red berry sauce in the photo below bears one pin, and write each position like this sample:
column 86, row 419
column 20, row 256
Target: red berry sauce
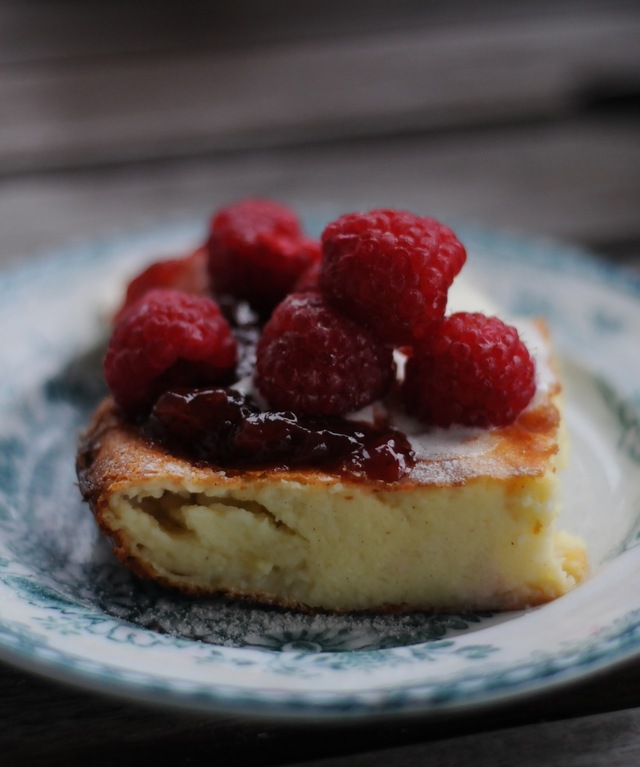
column 219, row 426
column 222, row 427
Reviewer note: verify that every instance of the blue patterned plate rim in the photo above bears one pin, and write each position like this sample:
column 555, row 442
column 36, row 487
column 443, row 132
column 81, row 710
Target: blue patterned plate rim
column 476, row 679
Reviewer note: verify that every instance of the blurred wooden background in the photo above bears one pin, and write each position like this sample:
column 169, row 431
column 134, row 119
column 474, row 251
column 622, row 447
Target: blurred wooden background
column 513, row 114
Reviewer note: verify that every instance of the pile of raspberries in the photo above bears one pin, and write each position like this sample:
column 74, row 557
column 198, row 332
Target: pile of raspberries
column 345, row 321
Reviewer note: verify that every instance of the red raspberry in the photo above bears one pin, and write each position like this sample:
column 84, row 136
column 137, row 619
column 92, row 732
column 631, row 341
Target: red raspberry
column 309, row 279
column 472, row 370
column 188, row 274
column 167, row 339
column 257, row 251
column 390, row 270
column 315, row 361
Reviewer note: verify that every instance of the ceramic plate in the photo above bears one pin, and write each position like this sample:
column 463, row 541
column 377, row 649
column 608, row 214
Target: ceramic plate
column 68, row 610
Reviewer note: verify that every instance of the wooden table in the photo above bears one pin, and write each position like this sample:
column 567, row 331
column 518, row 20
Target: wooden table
column 517, row 115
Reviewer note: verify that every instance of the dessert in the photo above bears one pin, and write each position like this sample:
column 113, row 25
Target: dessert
column 317, row 477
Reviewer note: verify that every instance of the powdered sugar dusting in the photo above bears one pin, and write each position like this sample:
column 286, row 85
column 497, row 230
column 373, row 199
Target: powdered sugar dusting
column 459, row 452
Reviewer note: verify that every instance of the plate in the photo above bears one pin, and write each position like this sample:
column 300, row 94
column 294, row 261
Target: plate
column 69, row 611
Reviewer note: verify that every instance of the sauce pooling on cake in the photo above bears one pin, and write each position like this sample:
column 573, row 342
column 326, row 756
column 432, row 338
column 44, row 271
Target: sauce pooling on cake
column 223, row 428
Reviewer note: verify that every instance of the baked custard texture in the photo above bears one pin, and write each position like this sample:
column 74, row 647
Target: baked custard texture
column 471, row 526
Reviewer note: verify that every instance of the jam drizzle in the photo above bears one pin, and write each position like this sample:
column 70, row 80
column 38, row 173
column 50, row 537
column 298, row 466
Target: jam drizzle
column 224, row 428
column 221, row 427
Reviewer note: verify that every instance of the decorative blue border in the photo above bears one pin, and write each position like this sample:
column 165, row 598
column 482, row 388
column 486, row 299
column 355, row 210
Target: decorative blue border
column 488, row 685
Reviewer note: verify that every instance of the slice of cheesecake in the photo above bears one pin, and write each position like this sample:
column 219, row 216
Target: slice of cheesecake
column 472, row 526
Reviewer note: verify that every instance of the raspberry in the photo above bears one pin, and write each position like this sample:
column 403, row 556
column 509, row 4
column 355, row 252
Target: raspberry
column 167, row 339
column 315, row 361
column 309, row 279
column 188, row 274
column 257, row 251
column 390, row 270
column 472, row 370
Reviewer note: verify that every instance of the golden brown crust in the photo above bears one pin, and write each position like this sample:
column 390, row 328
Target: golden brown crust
column 113, row 451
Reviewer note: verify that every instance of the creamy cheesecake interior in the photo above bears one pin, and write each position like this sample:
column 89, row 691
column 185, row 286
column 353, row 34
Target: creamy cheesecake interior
column 351, row 548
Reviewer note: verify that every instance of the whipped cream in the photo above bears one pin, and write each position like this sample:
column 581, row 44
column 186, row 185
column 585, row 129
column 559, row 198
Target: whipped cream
column 466, row 297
